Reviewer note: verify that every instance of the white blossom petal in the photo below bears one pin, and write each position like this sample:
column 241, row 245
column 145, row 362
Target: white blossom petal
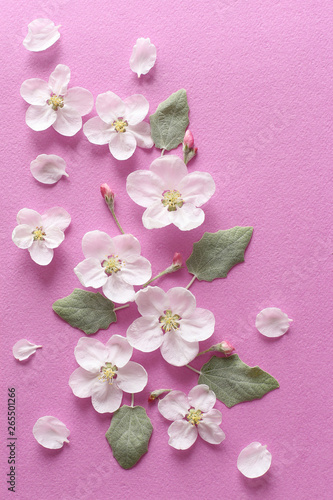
column 80, row 99
column 145, row 334
column 137, row 108
column 82, row 382
column 126, row 245
column 68, row 121
column 272, row 322
column 177, row 351
column 91, row 354
column 254, row 460
column 40, row 253
column 151, row 301
column 50, row 432
column 174, row 406
column 137, row 271
column 145, row 188
column 106, row 398
column 132, row 377
column 42, row 34
column 23, row 349
column 143, row 56
column 142, row 134
column 202, row 398
column 198, row 326
column 119, row 350
column 22, row 236
column 171, row 169
column 156, row 216
column 122, row 145
column 181, row 301
column 97, row 244
column 212, row 416
column 211, row 432
column 53, row 237
column 197, row 188
column 110, row 107
column 40, row 117
column 56, row 217
column 187, row 217
column 48, row 169
column 182, row 434
column 117, row 290
column 59, row 79
column 35, row 91
column 97, row 131
column 29, row 217
column 91, row 273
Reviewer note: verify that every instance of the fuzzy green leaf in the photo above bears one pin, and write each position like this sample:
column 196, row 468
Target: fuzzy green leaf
column 129, row 434
column 86, row 311
column 235, row 382
column 216, row 253
column 169, row 122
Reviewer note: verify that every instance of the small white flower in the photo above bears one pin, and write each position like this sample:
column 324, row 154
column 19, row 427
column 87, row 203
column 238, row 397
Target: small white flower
column 50, row 432
column 40, row 234
column 143, row 56
column 120, row 124
column 272, row 322
column 192, row 415
column 48, row 169
column 170, row 194
column 23, row 349
column 53, row 104
column 172, row 322
column 113, row 263
column 254, row 460
column 41, row 35
column 105, row 372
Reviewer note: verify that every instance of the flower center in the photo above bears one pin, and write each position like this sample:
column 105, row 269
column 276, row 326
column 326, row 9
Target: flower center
column 169, row 321
column 194, row 416
column 120, row 125
column 39, row 234
column 108, row 373
column 56, row 101
column 172, row 199
column 112, row 264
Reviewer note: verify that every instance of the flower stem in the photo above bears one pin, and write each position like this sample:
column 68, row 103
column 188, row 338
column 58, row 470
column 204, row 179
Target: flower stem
column 155, row 278
column 162, row 152
column 190, row 283
column 115, row 219
column 132, row 400
column 194, row 369
column 122, row 307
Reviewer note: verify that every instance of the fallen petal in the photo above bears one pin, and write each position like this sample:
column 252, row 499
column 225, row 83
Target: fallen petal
column 48, row 169
column 50, row 432
column 41, row 35
column 254, row 460
column 23, row 349
column 143, row 56
column 272, row 322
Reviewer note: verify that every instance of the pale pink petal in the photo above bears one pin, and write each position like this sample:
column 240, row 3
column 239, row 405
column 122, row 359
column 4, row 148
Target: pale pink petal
column 145, row 334
column 40, row 253
column 97, row 131
column 119, row 350
column 198, row 326
column 122, row 145
column 117, row 290
column 23, row 349
column 210, row 432
column 91, row 273
column 48, row 169
column 182, row 434
column 143, row 56
column 110, row 107
column 59, row 79
column 68, row 121
column 174, row 406
column 91, row 354
column 81, row 382
column 212, row 417
column 53, row 237
column 56, row 217
column 132, row 377
column 181, row 301
column 171, row 169
column 177, row 351
column 254, row 460
column 156, row 216
column 81, row 100
column 29, row 217
column 126, row 245
column 272, row 322
column 197, row 188
column 97, row 244
column 151, row 301
column 22, row 236
column 42, row 34
column 137, row 108
column 202, row 398
column 106, row 398
column 136, row 271
column 50, row 432
column 145, row 188
column 187, row 217
column 35, row 91
column 40, row 117
column 142, row 134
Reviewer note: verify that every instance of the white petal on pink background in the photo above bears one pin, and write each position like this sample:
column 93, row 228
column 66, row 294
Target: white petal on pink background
column 143, row 56
column 272, row 322
column 254, row 460
column 23, row 349
column 50, row 432
column 42, row 34
column 48, row 169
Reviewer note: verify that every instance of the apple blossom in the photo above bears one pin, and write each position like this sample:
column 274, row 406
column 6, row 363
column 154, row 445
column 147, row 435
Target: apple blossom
column 143, row 56
column 50, row 432
column 48, row 169
column 42, row 33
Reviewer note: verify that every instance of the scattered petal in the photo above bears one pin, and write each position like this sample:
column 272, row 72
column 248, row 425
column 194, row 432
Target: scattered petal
column 23, row 349
column 48, row 169
column 50, row 432
column 43, row 33
column 272, row 322
column 254, row 460
column 143, row 56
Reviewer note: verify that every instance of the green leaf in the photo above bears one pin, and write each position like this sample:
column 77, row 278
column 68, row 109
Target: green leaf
column 129, row 434
column 86, row 311
column 169, row 122
column 216, row 253
column 235, row 382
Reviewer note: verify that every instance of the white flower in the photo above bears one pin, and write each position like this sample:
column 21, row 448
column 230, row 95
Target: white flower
column 120, row 124
column 105, row 372
column 113, row 263
column 41, row 35
column 172, row 322
column 143, row 56
column 50, row 432
column 192, row 415
column 272, row 322
column 52, row 104
column 254, row 460
column 48, row 169
column 170, row 194
column 41, row 233
column 23, row 349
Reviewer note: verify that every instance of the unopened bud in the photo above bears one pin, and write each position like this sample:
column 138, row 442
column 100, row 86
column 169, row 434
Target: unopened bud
column 188, row 139
column 188, row 147
column 107, row 194
column 156, row 394
column 177, row 260
column 224, row 347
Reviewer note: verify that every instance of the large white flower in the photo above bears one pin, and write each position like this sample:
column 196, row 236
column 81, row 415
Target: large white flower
column 105, row 372
column 42, row 34
column 53, row 104
column 192, row 415
column 113, row 263
column 120, row 124
column 40, row 234
column 170, row 194
column 172, row 322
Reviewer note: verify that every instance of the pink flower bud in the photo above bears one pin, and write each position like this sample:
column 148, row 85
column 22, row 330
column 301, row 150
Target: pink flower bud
column 177, row 260
column 107, row 192
column 188, row 139
column 226, row 347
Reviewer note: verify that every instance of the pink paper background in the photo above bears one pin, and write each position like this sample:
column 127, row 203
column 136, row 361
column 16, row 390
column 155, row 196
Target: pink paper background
column 258, row 77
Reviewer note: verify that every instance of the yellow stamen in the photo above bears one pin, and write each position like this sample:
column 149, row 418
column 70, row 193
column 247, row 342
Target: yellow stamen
column 169, row 321
column 194, row 416
column 56, row 101
column 112, row 265
column 39, row 234
column 120, row 125
column 108, row 373
column 172, row 199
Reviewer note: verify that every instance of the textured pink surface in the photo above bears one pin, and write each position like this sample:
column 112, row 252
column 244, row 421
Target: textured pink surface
column 258, row 76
